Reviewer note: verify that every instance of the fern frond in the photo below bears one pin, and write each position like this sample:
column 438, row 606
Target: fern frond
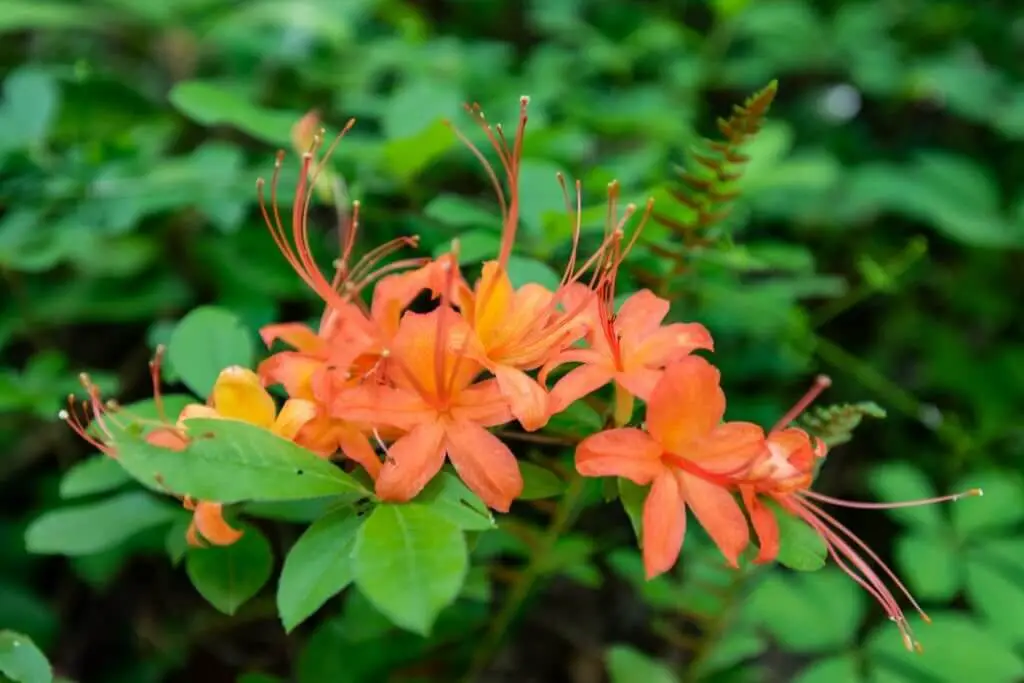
column 706, row 189
column 835, row 424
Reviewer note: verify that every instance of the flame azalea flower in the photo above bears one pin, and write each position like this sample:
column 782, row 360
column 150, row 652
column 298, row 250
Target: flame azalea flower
column 783, row 473
column 520, row 330
column 443, row 411
column 630, row 349
column 684, row 455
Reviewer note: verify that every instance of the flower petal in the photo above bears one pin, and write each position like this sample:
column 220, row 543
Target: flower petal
column 484, row 463
column 378, row 405
column 577, row 383
column 292, row 370
column 294, row 414
column 482, row 403
column 197, row 410
column 412, row 461
column 527, row 399
column 668, row 344
column 719, row 514
column 209, row 520
column 629, row 453
column 664, row 524
column 356, row 446
column 239, row 395
column 730, row 448
column 686, row 404
column 640, row 381
column 295, row 335
column 641, row 314
column 765, row 525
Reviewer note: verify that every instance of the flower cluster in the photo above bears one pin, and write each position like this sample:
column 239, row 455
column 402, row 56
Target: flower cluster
column 398, row 391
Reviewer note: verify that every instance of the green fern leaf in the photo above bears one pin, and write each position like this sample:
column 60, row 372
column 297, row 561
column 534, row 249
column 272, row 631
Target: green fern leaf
column 835, row 424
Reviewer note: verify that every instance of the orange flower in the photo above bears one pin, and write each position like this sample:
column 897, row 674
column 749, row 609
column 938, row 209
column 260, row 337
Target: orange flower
column 237, row 395
column 443, row 410
column 630, row 348
column 685, row 455
column 783, row 473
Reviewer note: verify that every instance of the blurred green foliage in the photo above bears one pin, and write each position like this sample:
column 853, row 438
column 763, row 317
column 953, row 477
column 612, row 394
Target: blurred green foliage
column 877, row 238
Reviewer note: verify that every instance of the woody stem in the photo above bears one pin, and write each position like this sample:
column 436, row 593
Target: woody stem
column 520, row 590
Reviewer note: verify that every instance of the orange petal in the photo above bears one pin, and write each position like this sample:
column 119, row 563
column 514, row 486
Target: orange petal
column 640, row 381
column 192, row 535
column 209, row 520
column 292, row 370
column 668, row 344
column 482, row 403
column 719, row 514
column 577, row 383
column 795, row 446
column 730, row 447
column 293, row 416
column 295, row 335
column 629, row 453
column 686, row 404
column 356, row 446
column 664, row 525
column 415, row 347
column 484, row 463
column 239, row 395
column 412, row 461
column 492, row 301
column 765, row 525
column 376, row 405
column 526, row 398
column 641, row 313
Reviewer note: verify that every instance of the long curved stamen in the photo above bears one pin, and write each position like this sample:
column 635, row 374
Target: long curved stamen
column 828, row 519
column 73, row 420
column 509, row 156
column 299, row 255
column 821, row 382
column 364, row 268
column 863, row 575
column 839, row 502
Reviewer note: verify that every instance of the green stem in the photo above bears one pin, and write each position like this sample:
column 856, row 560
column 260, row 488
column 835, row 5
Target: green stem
column 527, row 579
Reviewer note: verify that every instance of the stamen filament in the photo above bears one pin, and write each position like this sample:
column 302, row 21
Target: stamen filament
column 821, row 382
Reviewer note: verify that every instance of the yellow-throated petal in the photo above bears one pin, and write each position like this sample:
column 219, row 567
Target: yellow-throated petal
column 238, row 395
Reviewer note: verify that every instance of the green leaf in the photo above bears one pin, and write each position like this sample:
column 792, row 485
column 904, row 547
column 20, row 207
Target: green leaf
column 448, row 497
column 524, row 270
column 21, row 661
column 206, row 341
column 230, row 461
column 896, row 482
column 995, row 585
column 214, row 104
column 956, row 648
column 626, row 664
column 227, row 576
column 633, row 497
column 31, row 100
column 459, row 212
column 539, row 482
column 410, row 562
column 318, row 567
column 735, row 646
column 97, row 474
column 840, row 669
column 800, row 546
column 930, row 566
column 405, row 157
column 474, row 246
column 18, row 15
column 1001, row 506
column 95, row 527
column 807, row 612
